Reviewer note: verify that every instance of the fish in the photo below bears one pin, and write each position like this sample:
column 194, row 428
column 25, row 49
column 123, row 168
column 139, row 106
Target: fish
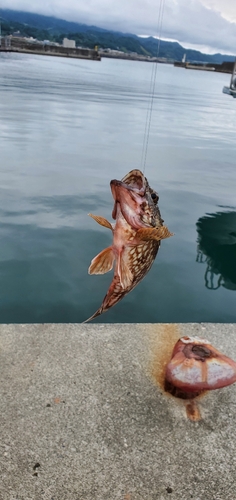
column 137, row 234
column 197, row 366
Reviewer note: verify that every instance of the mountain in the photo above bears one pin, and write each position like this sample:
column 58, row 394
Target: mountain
column 56, row 26
column 53, row 29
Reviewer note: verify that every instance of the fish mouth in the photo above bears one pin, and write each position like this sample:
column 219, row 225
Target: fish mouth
column 130, row 194
column 135, row 179
column 134, row 182
column 119, row 187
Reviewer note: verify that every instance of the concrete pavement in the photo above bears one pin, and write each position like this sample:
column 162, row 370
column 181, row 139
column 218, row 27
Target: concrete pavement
column 84, row 416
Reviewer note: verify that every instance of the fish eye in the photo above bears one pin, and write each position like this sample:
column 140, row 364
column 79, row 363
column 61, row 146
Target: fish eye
column 154, row 196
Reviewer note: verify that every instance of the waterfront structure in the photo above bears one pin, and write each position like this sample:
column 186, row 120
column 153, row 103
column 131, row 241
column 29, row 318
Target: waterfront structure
column 69, row 44
column 27, row 46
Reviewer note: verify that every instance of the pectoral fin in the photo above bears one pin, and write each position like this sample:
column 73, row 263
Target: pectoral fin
column 101, row 221
column 149, row 233
column 103, row 262
column 124, row 273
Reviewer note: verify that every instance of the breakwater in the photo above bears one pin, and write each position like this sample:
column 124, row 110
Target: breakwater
column 49, row 50
column 225, row 67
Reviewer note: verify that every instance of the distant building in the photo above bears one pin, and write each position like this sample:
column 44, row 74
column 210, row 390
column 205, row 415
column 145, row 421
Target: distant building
column 70, row 44
column 17, row 34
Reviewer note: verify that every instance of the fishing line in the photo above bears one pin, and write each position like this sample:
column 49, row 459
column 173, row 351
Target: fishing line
column 152, row 90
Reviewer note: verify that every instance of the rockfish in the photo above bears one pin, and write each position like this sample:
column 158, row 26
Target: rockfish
column 137, row 234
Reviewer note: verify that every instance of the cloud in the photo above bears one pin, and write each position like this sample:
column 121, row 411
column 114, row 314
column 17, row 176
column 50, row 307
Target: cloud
column 195, row 23
column 210, row 23
column 226, row 8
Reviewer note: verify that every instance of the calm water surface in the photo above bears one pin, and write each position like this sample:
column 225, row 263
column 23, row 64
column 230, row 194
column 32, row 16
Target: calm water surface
column 67, row 128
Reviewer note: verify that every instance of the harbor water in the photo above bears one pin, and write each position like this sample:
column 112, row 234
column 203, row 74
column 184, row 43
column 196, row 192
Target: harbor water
column 67, row 127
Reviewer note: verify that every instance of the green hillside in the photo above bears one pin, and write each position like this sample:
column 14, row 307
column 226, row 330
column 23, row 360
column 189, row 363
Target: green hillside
column 53, row 29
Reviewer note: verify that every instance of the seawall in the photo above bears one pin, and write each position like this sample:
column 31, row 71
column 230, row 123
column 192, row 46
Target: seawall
column 84, row 416
column 51, row 50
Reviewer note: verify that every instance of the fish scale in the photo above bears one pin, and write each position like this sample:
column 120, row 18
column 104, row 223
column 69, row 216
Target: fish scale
column 139, row 269
column 141, row 260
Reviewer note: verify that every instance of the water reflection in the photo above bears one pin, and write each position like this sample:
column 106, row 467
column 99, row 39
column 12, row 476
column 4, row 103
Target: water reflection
column 217, row 249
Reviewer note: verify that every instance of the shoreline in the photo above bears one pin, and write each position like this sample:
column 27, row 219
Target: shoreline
column 96, row 55
column 49, row 50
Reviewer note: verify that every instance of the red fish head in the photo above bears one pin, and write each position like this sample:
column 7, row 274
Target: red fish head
column 135, row 198
column 196, row 366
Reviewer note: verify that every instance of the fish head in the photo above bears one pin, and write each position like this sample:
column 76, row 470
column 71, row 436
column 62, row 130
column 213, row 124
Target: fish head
column 196, row 365
column 138, row 201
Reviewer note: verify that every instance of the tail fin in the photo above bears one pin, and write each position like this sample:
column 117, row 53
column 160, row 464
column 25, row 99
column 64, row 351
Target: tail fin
column 114, row 294
column 97, row 313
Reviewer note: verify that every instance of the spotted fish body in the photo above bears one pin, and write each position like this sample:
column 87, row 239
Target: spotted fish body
column 137, row 233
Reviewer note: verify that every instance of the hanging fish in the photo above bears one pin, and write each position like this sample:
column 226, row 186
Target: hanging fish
column 196, row 366
column 137, row 234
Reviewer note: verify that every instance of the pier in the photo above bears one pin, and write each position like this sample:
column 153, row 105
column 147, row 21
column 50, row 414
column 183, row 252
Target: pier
column 84, row 415
column 19, row 45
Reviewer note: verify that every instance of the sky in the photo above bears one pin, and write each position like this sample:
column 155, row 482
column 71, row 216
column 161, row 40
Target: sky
column 207, row 25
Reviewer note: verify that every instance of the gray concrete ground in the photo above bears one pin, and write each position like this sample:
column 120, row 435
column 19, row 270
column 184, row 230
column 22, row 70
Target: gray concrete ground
column 84, row 416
